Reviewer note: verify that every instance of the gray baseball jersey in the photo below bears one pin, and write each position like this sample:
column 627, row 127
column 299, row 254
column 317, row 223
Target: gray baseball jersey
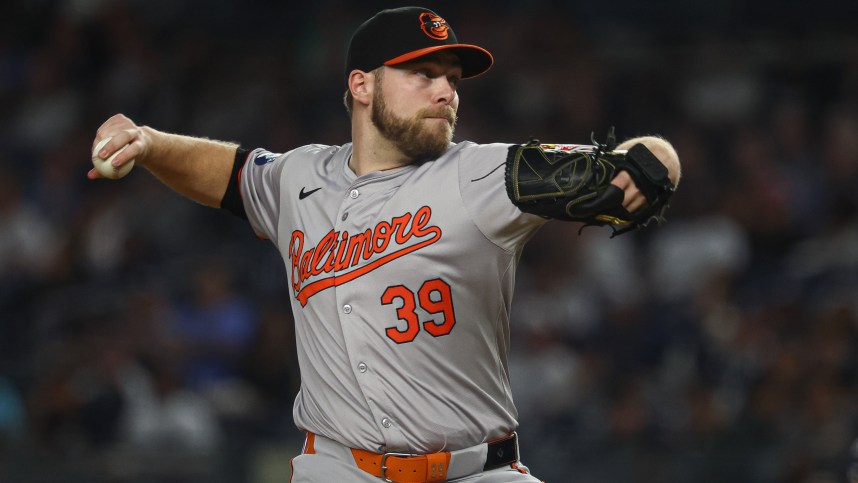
column 401, row 283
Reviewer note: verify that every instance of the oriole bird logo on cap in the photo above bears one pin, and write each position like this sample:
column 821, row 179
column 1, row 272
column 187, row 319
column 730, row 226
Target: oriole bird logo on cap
column 433, row 25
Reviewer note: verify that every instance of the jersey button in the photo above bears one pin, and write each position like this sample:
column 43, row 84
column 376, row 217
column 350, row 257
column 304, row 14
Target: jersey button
column 347, row 309
column 362, row 367
column 354, row 194
column 345, row 215
column 386, row 422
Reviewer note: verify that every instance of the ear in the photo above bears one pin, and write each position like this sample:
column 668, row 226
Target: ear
column 361, row 85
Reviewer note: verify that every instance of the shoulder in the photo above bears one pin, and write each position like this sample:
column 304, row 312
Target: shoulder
column 317, row 151
column 471, row 148
column 301, row 154
column 471, row 152
column 474, row 158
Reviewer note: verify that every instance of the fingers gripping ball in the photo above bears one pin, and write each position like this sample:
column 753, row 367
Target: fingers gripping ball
column 105, row 166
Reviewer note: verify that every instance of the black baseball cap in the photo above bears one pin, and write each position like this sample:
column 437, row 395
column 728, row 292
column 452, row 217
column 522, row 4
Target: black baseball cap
column 398, row 35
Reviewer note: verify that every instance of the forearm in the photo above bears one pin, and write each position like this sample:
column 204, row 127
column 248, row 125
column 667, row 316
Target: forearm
column 198, row 168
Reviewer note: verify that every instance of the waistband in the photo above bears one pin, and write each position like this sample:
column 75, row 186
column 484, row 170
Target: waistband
column 397, row 467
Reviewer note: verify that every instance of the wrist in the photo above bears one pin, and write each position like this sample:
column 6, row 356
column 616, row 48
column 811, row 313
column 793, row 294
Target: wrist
column 151, row 143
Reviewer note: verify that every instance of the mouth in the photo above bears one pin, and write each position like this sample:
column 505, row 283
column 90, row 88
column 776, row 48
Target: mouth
column 446, row 115
column 446, row 119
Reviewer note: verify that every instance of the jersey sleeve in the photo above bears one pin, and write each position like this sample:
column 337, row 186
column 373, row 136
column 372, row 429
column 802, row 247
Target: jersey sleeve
column 260, row 183
column 483, row 190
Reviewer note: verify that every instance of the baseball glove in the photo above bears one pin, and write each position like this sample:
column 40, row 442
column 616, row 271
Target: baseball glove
column 573, row 182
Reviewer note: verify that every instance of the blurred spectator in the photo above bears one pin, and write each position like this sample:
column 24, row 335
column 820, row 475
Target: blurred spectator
column 270, row 364
column 163, row 415
column 215, row 325
column 686, row 255
column 28, row 243
column 77, row 397
column 13, row 424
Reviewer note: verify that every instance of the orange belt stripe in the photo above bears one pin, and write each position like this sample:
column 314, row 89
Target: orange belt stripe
column 426, row 468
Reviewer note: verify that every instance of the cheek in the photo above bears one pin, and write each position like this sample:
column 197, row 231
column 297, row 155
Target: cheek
column 398, row 98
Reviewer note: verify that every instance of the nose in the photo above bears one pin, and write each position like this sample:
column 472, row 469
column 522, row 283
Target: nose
column 444, row 89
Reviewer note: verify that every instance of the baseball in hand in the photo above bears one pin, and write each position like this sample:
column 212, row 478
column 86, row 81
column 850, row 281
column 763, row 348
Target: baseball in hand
column 104, row 166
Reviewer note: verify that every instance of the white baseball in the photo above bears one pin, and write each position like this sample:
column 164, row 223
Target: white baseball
column 104, row 166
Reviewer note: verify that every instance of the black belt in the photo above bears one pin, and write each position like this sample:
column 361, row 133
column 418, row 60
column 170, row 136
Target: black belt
column 502, row 452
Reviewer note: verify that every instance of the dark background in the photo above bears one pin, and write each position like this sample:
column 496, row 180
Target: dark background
column 144, row 338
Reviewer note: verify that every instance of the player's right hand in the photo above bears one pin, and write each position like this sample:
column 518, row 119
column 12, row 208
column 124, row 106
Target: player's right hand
column 123, row 131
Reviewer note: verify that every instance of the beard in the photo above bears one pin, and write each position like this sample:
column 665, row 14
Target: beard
column 418, row 139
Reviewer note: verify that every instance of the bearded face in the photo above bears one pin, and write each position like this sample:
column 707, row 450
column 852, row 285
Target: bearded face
column 421, row 137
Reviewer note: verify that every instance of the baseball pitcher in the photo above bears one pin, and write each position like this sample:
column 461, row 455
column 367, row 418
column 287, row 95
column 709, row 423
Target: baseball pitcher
column 401, row 251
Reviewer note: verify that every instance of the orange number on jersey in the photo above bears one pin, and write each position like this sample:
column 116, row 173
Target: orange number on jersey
column 444, row 305
column 405, row 313
column 434, row 296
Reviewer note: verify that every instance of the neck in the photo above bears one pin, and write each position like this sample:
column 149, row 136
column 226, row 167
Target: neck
column 373, row 152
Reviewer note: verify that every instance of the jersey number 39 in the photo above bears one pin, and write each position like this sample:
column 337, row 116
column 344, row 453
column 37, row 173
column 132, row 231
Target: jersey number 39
column 434, row 296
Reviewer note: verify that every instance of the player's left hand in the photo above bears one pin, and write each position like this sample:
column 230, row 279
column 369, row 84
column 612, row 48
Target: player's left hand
column 633, row 198
column 625, row 187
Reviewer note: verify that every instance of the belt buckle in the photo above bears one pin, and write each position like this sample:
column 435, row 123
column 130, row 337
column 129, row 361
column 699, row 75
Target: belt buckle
column 384, row 465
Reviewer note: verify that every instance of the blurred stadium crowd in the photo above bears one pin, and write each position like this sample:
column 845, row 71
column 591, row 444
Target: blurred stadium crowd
column 144, row 338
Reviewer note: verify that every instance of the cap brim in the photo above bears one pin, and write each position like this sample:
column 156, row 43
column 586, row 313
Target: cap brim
column 475, row 60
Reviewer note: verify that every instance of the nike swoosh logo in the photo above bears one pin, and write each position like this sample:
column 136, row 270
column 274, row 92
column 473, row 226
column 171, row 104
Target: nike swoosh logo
column 303, row 194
